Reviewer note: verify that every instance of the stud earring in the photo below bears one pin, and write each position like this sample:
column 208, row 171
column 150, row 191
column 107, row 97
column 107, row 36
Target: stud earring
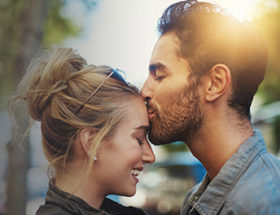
column 95, row 158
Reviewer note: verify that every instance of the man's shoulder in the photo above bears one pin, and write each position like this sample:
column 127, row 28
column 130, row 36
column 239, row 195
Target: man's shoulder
column 259, row 184
column 263, row 172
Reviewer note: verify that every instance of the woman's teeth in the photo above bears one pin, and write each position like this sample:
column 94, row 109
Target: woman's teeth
column 135, row 172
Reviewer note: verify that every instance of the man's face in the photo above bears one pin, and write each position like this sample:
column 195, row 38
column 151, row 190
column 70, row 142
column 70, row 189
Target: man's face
column 171, row 94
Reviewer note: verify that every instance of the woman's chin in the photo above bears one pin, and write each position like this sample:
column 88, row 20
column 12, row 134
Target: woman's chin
column 128, row 193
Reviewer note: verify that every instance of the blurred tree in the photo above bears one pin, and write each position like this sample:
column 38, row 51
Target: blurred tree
column 269, row 26
column 47, row 27
column 22, row 38
column 25, row 25
column 57, row 27
column 175, row 147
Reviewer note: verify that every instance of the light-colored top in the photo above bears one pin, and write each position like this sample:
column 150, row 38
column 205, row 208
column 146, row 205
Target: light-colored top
column 248, row 183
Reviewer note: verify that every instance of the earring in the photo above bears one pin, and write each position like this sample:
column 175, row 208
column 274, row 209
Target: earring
column 95, row 158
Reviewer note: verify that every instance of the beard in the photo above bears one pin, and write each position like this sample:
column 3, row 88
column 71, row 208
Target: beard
column 178, row 120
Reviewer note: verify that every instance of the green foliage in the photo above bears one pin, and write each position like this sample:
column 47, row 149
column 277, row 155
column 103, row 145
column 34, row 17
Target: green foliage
column 57, row 27
column 175, row 147
column 9, row 15
column 269, row 26
column 276, row 134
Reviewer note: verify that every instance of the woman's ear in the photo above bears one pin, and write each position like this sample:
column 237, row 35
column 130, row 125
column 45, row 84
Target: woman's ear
column 217, row 82
column 86, row 136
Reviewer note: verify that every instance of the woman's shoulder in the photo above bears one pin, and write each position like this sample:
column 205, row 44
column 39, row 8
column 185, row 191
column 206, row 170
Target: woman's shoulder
column 115, row 208
column 51, row 210
column 58, row 202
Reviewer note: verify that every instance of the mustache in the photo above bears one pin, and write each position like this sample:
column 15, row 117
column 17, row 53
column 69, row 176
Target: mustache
column 151, row 107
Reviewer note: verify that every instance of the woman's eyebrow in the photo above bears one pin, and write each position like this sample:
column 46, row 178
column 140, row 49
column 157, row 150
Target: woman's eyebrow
column 142, row 127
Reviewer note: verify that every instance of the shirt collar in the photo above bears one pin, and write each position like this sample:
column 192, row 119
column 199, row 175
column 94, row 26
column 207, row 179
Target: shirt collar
column 72, row 203
column 218, row 189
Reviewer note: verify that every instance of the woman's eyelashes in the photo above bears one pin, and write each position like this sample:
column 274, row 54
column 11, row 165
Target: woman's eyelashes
column 140, row 141
column 140, row 136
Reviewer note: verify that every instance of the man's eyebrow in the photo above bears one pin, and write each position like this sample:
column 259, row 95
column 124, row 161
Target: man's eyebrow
column 143, row 127
column 155, row 66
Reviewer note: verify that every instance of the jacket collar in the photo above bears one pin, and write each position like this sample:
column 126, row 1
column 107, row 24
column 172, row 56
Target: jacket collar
column 70, row 202
column 75, row 205
column 219, row 188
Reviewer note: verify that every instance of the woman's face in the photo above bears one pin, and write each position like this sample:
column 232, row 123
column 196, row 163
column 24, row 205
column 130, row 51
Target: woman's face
column 122, row 157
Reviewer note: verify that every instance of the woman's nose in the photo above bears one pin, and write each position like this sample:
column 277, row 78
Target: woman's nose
column 148, row 154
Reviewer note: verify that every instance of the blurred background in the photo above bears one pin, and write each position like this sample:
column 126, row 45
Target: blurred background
column 120, row 34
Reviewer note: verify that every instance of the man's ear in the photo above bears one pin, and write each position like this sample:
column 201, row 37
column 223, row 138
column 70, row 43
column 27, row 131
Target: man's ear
column 217, row 82
column 86, row 136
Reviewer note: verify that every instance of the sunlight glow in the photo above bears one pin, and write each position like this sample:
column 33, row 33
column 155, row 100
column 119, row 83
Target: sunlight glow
column 122, row 33
column 242, row 9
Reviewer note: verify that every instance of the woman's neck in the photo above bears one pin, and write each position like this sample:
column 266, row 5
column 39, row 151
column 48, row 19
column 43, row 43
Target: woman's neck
column 82, row 188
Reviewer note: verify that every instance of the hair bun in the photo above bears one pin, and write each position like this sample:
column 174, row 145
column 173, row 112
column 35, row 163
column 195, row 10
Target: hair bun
column 46, row 76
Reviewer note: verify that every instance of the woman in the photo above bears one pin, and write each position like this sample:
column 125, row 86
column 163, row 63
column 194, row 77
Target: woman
column 93, row 126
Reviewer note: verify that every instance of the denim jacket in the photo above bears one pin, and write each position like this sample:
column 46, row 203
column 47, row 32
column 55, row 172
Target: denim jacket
column 248, row 183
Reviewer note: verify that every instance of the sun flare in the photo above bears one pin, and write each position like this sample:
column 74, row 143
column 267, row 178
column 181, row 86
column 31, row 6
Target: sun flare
column 242, row 9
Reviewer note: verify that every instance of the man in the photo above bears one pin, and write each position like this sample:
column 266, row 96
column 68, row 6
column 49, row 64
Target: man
column 204, row 71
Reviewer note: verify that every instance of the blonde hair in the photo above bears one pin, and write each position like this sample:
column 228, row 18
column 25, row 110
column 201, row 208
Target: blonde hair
column 56, row 84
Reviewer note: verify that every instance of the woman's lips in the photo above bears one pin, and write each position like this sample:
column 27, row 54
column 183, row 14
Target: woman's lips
column 135, row 172
column 136, row 179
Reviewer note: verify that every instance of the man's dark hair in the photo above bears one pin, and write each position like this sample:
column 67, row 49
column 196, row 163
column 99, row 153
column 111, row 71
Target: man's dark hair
column 208, row 36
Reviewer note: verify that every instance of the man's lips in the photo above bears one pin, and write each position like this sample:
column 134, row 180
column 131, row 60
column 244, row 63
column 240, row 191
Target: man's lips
column 151, row 114
column 151, row 110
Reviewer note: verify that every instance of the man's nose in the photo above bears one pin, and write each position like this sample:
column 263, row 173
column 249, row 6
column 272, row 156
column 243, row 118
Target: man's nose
column 147, row 89
column 148, row 154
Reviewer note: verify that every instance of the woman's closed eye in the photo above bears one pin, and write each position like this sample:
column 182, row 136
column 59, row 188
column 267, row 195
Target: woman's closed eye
column 140, row 135
column 140, row 141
